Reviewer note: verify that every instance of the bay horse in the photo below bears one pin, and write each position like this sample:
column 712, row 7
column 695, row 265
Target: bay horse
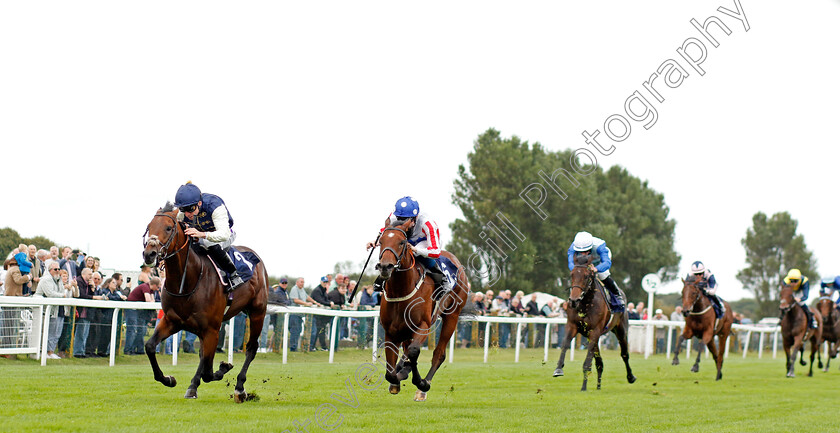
column 795, row 330
column 410, row 306
column 831, row 326
column 589, row 314
column 700, row 322
column 193, row 299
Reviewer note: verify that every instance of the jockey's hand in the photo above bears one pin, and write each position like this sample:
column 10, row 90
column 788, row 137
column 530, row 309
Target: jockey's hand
column 370, row 245
column 195, row 233
column 592, row 267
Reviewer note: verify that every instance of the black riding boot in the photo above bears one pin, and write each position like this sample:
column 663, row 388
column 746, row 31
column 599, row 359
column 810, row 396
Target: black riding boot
column 223, row 261
column 609, row 284
column 812, row 323
column 718, row 304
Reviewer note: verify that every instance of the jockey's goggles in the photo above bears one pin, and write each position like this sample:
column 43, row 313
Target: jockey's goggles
column 186, row 209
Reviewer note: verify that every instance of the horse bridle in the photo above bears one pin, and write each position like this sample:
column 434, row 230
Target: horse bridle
column 399, row 256
column 164, row 257
column 696, row 297
column 165, row 246
column 588, row 284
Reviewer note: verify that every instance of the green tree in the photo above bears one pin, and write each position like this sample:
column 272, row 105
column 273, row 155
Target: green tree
column 9, row 240
column 614, row 205
column 773, row 248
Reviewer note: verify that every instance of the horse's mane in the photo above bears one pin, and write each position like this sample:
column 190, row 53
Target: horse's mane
column 398, row 222
column 168, row 207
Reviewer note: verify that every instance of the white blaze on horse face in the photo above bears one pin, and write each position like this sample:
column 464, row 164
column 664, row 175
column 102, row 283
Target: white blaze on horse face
column 390, row 235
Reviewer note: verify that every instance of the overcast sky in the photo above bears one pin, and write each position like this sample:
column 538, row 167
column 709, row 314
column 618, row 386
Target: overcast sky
column 311, row 118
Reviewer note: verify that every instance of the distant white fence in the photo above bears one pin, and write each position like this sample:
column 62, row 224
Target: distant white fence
column 30, row 318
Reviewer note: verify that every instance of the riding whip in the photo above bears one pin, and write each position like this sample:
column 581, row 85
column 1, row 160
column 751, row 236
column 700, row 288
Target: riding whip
column 353, row 295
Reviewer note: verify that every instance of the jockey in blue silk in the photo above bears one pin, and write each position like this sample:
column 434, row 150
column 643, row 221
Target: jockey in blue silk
column 423, row 238
column 801, row 286
column 828, row 286
column 705, row 281
column 586, row 244
column 209, row 222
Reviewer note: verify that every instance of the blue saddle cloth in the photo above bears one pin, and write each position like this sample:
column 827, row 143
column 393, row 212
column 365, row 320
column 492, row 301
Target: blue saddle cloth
column 449, row 269
column 245, row 262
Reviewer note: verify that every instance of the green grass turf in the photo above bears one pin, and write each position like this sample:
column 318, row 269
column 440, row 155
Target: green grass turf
column 467, row 396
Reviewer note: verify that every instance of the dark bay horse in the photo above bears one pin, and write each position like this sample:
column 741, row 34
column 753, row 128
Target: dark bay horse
column 410, row 306
column 193, row 299
column 831, row 327
column 795, row 330
column 700, row 322
column 589, row 314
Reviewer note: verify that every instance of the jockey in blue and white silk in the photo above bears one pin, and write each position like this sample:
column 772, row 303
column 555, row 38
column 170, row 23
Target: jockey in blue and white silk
column 705, row 281
column 585, row 243
column 210, row 223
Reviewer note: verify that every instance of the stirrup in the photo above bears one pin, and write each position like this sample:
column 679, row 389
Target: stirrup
column 235, row 281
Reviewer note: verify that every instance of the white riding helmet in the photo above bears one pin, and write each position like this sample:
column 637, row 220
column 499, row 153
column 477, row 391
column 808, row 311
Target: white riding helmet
column 698, row 267
column 583, row 241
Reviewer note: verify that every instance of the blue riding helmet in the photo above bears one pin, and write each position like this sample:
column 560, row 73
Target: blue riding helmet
column 187, row 195
column 406, row 207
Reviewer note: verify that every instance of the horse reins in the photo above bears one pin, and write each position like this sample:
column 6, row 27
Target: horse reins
column 697, row 298
column 398, row 267
column 169, row 255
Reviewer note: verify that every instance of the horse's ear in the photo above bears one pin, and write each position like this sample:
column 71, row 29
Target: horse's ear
column 683, row 280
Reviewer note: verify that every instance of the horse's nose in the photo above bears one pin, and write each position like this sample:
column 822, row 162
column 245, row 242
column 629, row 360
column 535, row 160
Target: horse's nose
column 149, row 257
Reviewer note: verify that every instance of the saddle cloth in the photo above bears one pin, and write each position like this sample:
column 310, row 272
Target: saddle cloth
column 449, row 269
column 244, row 261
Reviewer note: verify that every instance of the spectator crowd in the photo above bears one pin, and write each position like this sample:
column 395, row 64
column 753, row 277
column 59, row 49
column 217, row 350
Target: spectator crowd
column 86, row 332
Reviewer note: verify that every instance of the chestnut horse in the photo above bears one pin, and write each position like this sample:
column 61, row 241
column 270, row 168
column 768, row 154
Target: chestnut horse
column 589, row 314
column 410, row 306
column 795, row 330
column 193, row 299
column 700, row 322
column 831, row 326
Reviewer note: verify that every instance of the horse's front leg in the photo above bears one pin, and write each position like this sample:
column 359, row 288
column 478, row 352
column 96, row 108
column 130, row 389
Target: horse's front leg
column 571, row 331
column 815, row 351
column 599, row 364
column 707, row 340
column 392, row 352
column 163, row 330
column 590, row 353
column 797, row 344
column 680, row 341
column 413, row 354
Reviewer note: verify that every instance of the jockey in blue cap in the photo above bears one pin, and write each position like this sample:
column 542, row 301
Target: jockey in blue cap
column 801, row 286
column 705, row 281
column 211, row 223
column 424, row 238
column 587, row 244
column 828, row 286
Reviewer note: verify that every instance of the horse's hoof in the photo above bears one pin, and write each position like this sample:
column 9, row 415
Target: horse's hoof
column 583, row 388
column 802, row 362
column 191, row 393
column 719, row 377
column 820, row 365
column 170, row 381
column 239, row 397
column 558, row 372
column 224, row 367
column 675, row 362
column 394, row 389
column 791, row 375
column 424, row 386
column 631, row 379
column 419, row 396
column 695, row 369
column 810, row 374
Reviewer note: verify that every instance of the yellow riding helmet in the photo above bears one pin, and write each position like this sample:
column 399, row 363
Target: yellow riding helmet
column 794, row 274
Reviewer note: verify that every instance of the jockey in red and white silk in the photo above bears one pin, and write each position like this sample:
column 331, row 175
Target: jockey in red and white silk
column 425, row 236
